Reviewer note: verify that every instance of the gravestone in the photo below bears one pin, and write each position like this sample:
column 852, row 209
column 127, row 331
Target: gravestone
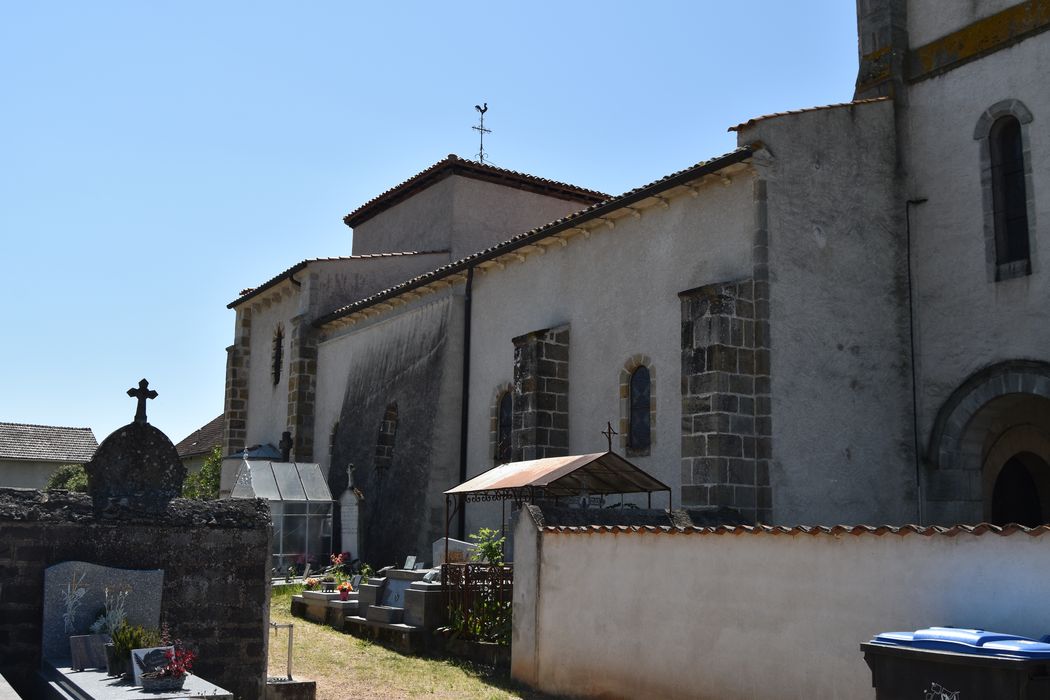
column 458, row 551
column 142, row 607
column 136, row 467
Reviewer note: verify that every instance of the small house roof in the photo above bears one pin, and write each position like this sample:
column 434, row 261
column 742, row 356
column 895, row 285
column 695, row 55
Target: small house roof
column 202, row 440
column 46, row 443
column 597, row 473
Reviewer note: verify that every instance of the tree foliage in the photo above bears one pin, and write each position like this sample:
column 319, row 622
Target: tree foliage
column 70, row 477
column 203, row 485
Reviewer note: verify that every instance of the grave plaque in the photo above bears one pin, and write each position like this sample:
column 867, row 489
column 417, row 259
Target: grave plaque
column 142, row 607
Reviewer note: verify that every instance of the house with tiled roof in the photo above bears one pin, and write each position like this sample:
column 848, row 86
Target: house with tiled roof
column 195, row 447
column 842, row 319
column 29, row 454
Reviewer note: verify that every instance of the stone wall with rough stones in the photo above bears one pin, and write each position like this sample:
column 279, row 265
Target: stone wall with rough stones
column 215, row 557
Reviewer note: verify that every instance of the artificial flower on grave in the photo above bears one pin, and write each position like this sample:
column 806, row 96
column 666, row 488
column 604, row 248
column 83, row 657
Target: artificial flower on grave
column 345, row 586
column 311, row 583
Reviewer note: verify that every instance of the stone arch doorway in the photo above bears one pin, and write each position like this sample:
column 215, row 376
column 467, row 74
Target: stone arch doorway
column 989, row 453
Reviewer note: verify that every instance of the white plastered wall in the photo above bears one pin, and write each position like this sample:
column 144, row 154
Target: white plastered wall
column 618, row 291
column 26, row 475
column 841, row 400
column 965, row 321
column 752, row 616
column 267, row 401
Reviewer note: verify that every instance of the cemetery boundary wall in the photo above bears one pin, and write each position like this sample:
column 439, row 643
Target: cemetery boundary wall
column 754, row 612
column 216, row 562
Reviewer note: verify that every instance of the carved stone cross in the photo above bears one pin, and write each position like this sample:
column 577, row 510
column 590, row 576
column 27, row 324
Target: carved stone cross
column 142, row 393
column 608, row 433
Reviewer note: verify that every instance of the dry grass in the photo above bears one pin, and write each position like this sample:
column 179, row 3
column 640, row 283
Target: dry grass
column 348, row 668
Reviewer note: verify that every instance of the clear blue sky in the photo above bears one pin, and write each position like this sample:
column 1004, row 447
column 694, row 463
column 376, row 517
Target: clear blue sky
column 157, row 157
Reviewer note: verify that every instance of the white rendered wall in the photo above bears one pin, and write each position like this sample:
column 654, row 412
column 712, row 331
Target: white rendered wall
column 964, row 321
column 27, row 475
column 618, row 290
column 461, row 214
column 268, row 402
column 841, row 391
column 752, row 616
column 932, row 19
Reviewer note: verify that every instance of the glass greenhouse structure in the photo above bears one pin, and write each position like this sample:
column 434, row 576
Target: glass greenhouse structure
column 300, row 506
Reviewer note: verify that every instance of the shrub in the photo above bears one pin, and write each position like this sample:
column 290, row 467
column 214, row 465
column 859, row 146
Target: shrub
column 70, row 477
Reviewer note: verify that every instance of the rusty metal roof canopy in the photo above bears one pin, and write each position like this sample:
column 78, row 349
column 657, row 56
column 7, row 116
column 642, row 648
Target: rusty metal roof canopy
column 597, row 473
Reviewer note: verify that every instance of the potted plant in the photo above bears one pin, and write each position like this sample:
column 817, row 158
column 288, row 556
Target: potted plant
column 328, row 583
column 172, row 675
column 344, row 590
column 126, row 638
column 311, row 584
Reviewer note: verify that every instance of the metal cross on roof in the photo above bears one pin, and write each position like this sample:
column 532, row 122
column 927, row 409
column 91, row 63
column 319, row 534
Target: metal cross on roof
column 142, row 393
column 482, row 130
column 608, row 433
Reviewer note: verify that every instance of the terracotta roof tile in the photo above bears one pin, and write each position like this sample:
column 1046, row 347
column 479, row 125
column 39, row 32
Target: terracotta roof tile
column 755, row 120
column 254, row 291
column 813, row 530
column 46, row 443
column 522, row 239
column 454, row 165
column 202, row 440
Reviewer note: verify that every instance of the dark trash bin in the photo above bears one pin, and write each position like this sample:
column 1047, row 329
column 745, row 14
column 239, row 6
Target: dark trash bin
column 946, row 663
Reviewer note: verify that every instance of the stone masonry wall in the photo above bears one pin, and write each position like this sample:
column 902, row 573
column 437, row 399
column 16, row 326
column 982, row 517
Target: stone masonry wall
column 540, row 426
column 215, row 556
column 302, row 373
column 235, row 410
column 725, row 398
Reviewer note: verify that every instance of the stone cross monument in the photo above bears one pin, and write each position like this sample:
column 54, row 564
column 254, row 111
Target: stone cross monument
column 137, row 466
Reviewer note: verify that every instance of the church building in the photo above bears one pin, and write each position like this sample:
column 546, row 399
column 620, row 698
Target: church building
column 839, row 321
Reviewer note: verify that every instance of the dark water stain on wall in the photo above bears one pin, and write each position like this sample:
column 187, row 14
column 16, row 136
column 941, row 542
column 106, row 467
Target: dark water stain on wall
column 403, row 367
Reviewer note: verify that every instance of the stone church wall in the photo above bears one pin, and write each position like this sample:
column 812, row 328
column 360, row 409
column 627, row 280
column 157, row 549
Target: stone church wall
column 618, row 292
column 268, row 400
column 409, row 359
column 840, row 380
column 216, row 563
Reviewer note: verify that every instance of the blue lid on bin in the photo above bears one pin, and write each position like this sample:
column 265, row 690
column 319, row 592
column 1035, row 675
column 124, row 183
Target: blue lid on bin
column 967, row 641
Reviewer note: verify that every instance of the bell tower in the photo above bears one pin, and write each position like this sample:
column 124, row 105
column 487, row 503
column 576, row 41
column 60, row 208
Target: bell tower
column 882, row 42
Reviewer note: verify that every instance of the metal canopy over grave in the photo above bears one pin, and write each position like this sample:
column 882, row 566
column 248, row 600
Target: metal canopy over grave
column 300, row 506
column 599, row 473
column 556, row 477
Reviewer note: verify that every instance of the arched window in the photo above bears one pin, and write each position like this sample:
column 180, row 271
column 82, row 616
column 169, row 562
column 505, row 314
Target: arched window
column 639, row 426
column 504, row 415
column 1009, row 210
column 1009, row 198
column 386, row 437
column 278, row 354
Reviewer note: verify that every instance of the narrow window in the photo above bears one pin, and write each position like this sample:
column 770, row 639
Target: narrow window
column 639, row 427
column 278, row 354
column 387, row 435
column 503, row 428
column 1009, row 199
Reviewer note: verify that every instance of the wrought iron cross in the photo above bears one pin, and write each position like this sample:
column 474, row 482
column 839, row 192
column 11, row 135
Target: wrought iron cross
column 285, row 446
column 482, row 130
column 608, row 433
column 142, row 393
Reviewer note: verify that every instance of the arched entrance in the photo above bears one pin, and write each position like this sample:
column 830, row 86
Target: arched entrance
column 989, row 457
column 1016, row 496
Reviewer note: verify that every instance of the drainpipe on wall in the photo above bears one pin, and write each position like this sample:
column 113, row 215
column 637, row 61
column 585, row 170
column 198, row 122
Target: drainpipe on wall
column 461, row 516
column 920, row 505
